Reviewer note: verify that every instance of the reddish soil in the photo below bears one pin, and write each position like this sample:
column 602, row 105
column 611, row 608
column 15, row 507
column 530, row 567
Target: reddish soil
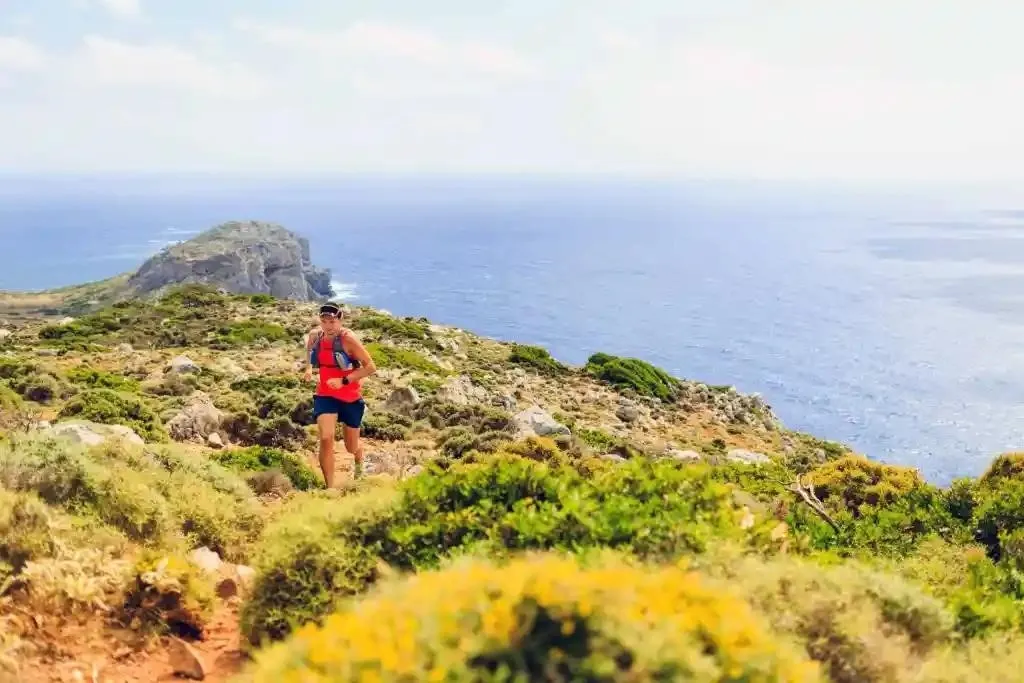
column 90, row 653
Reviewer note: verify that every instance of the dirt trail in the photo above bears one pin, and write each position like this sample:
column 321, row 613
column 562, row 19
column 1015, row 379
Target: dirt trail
column 88, row 655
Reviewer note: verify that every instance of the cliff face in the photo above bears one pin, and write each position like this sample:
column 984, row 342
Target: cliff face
column 240, row 257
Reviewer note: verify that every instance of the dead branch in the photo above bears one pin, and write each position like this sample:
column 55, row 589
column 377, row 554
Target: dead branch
column 806, row 492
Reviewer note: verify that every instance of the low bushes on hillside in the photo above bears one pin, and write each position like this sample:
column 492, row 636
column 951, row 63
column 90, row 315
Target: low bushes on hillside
column 116, row 408
column 404, row 359
column 632, row 374
column 101, row 379
column 862, row 625
column 505, row 504
column 537, row 359
column 158, row 498
column 395, row 328
column 260, row 459
column 541, row 618
column 247, row 333
column 31, row 381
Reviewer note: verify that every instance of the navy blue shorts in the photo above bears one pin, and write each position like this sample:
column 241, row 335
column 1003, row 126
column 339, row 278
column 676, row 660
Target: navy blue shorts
column 349, row 413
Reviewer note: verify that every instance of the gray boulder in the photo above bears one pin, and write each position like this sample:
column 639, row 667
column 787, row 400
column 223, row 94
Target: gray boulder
column 461, row 391
column 536, row 420
column 199, row 420
column 91, row 433
column 747, row 457
column 402, row 400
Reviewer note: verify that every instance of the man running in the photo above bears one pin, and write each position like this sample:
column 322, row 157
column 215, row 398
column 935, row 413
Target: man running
column 343, row 363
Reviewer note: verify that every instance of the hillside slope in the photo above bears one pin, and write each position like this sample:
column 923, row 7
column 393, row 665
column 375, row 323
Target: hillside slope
column 161, row 510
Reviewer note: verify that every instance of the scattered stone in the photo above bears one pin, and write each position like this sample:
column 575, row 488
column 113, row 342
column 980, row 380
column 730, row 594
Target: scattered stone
column 402, row 400
column 628, row 413
column 92, row 433
column 183, row 365
column 414, row 470
column 227, row 588
column 125, row 348
column 270, row 482
column 747, row 457
column 206, row 559
column 536, row 420
column 461, row 391
column 506, row 402
column 197, row 421
column 185, row 660
column 4, row 333
column 246, row 575
column 613, row 457
column 46, row 352
column 214, row 440
column 676, row 454
column 65, row 321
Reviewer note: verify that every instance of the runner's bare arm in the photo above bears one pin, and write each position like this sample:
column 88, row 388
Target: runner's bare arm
column 307, row 365
column 355, row 348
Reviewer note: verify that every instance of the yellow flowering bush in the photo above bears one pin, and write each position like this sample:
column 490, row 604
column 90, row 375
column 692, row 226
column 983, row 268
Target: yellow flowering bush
column 541, row 617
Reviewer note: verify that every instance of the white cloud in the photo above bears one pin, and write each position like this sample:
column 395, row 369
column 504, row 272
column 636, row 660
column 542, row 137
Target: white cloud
column 106, row 62
column 18, row 54
column 122, row 8
column 409, row 45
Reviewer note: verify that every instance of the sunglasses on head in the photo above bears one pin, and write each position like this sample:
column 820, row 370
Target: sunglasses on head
column 329, row 312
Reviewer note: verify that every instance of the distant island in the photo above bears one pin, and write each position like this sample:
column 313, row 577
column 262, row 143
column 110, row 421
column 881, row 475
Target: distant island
column 162, row 513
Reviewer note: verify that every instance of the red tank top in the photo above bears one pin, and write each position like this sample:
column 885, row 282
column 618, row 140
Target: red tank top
column 328, row 370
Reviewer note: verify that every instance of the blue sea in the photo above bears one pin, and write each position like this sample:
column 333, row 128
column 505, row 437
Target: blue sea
column 886, row 318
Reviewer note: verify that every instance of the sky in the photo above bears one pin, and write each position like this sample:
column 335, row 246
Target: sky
column 782, row 89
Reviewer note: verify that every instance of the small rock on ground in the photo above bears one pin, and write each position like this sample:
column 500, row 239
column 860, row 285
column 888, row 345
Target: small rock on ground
column 747, row 457
column 185, row 660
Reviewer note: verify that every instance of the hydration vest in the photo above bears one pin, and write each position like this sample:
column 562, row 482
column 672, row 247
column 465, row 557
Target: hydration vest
column 341, row 359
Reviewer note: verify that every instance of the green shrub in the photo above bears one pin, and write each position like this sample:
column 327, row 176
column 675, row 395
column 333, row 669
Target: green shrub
column 111, row 407
column 26, row 530
column 262, row 385
column 596, row 439
column 476, row 417
column 537, row 359
column 261, row 300
column 156, row 498
column 508, row 504
column 426, row 386
column 304, row 570
column 397, row 357
column 9, row 398
column 248, row 332
column 274, row 418
column 386, row 426
column 30, row 381
column 633, row 375
column 1000, row 511
column 100, row 379
column 395, row 328
column 261, row 459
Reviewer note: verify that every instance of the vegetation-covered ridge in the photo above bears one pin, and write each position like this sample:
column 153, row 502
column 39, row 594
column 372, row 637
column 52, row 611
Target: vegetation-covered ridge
column 523, row 519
